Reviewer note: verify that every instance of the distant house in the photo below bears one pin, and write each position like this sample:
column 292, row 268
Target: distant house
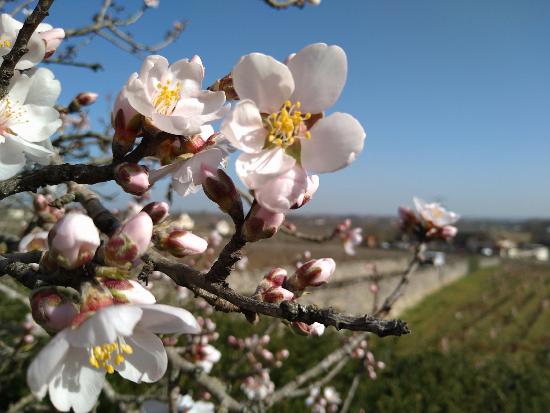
column 509, row 249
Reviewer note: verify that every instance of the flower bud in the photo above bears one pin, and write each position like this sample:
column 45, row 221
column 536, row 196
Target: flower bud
column 276, row 295
column 86, row 98
column 315, row 329
column 158, row 211
column 219, row 187
column 448, row 232
column 130, row 241
column 40, row 203
column 270, row 288
column 126, row 122
column 262, row 223
column 52, row 38
column 73, row 241
column 133, row 178
column 312, row 274
column 128, row 291
column 181, row 243
column 54, row 308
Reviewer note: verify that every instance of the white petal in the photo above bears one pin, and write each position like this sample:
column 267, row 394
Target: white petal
column 263, row 79
column 165, row 319
column 12, row 159
column 148, row 361
column 45, row 89
column 187, row 177
column 152, row 70
column 105, row 326
column 189, row 74
column 283, row 191
column 319, row 73
column 38, row 123
column 256, row 169
column 19, row 87
column 243, row 127
column 76, row 385
column 46, row 363
column 138, row 97
column 335, row 142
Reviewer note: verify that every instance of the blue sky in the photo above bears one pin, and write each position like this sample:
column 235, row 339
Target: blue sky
column 454, row 95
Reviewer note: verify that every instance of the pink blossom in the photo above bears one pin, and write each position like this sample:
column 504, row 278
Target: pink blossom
column 262, row 223
column 130, row 241
column 52, row 37
column 158, row 211
column 312, row 274
column 181, row 243
column 133, row 178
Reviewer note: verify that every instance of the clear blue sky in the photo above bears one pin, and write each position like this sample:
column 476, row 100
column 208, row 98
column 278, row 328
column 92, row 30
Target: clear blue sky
column 454, row 95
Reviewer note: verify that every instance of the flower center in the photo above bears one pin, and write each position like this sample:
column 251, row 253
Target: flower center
column 105, row 355
column 287, row 125
column 166, row 97
column 9, row 112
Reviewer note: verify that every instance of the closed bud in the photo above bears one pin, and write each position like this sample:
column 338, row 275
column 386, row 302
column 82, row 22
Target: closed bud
column 53, row 308
column 261, row 223
column 40, row 203
column 127, row 123
column 219, row 187
column 276, row 295
column 181, row 243
column 94, row 296
column 130, row 241
column 133, row 178
column 52, row 38
column 86, row 98
column 312, row 274
column 158, row 211
column 270, row 288
column 315, row 329
column 128, row 291
column 73, row 241
column 448, row 232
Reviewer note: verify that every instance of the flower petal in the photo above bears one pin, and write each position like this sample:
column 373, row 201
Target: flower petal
column 190, row 74
column 335, row 142
column 138, row 97
column 263, row 79
column 76, row 385
column 283, row 191
column 105, row 326
column 46, row 363
column 166, row 319
column 37, row 124
column 44, row 89
column 243, row 127
column 256, row 169
column 148, row 361
column 12, row 158
column 319, row 73
column 187, row 177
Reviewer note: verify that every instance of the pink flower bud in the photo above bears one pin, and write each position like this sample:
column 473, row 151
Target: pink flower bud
column 53, row 308
column 130, row 241
column 315, row 329
column 276, row 295
column 262, row 223
column 312, row 186
column 133, row 178
column 158, row 211
column 86, row 98
column 52, row 38
column 276, row 277
column 448, row 232
column 73, row 241
column 219, row 187
column 181, row 243
column 128, row 291
column 126, row 122
column 151, row 3
column 312, row 274
column 40, row 203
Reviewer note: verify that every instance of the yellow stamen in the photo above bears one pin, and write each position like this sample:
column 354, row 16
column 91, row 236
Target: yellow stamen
column 287, row 125
column 166, row 97
column 105, row 355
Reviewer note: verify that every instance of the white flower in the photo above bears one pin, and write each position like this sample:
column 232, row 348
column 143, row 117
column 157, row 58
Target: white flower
column 27, row 120
column 351, row 238
column 186, row 173
column 207, row 356
column 73, row 364
column 434, row 213
column 171, row 95
column 9, row 29
column 279, row 122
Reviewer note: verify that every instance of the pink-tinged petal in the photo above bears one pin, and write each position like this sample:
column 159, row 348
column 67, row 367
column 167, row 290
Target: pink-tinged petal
column 283, row 191
column 37, row 124
column 148, row 361
column 263, row 79
column 335, row 142
column 243, row 127
column 187, row 177
column 190, row 74
column 166, row 319
column 46, row 363
column 105, row 326
column 76, row 384
column 256, row 169
column 319, row 73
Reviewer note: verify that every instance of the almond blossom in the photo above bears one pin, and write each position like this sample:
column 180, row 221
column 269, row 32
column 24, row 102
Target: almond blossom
column 27, row 120
column 72, row 366
column 171, row 95
column 434, row 213
column 9, row 29
column 280, row 127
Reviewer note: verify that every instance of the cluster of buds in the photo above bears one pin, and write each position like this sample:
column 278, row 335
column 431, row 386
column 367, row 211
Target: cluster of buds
column 270, row 289
column 72, row 242
column 371, row 365
column 132, row 178
column 261, row 223
column 130, row 241
column 350, row 237
column 326, row 401
column 179, row 242
column 258, row 356
column 431, row 221
column 258, row 386
column 47, row 213
column 200, row 351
